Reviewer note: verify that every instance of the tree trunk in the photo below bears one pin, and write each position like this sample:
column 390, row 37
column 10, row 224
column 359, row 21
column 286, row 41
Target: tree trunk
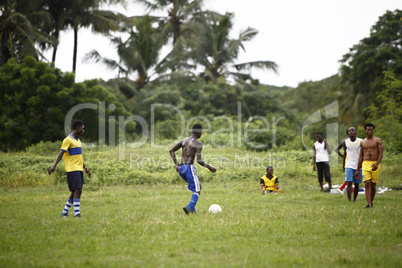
column 75, row 48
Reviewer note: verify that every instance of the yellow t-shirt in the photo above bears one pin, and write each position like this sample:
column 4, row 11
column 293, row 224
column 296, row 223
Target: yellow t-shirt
column 269, row 184
column 73, row 159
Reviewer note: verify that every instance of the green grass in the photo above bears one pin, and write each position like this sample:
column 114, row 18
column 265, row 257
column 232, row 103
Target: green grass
column 133, row 217
column 145, row 226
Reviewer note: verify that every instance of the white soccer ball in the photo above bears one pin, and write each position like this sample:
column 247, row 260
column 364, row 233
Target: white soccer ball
column 215, row 209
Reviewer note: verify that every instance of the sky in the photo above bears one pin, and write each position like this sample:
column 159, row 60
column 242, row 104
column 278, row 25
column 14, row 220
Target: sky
column 306, row 38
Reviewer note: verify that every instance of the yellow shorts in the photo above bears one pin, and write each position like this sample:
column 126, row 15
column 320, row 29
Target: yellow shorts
column 369, row 174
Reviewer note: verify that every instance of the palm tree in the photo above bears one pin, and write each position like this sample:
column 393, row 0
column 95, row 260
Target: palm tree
column 58, row 13
column 216, row 52
column 18, row 36
column 86, row 13
column 138, row 54
column 179, row 12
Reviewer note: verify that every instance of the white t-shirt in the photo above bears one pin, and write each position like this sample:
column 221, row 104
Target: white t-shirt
column 321, row 154
column 353, row 153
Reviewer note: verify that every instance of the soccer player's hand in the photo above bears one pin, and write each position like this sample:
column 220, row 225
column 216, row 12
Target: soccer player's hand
column 357, row 175
column 51, row 170
column 314, row 168
column 374, row 167
column 88, row 172
column 212, row 169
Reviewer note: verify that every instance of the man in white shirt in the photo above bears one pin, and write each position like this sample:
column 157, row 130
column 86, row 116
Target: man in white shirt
column 351, row 148
column 321, row 160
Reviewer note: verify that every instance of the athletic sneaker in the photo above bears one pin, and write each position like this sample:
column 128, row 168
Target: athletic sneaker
column 368, row 206
column 188, row 211
column 339, row 191
column 371, row 205
column 77, row 216
column 64, row 215
column 327, row 190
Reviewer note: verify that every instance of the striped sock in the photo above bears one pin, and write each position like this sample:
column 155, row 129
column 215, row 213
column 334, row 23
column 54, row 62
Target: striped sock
column 76, row 206
column 193, row 201
column 67, row 207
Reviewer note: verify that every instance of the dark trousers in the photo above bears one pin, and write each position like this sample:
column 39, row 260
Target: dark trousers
column 323, row 169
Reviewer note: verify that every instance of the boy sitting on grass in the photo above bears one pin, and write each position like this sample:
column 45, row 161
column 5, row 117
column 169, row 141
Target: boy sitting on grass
column 269, row 183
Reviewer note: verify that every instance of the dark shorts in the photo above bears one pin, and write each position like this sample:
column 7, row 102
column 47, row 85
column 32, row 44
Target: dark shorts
column 323, row 170
column 75, row 180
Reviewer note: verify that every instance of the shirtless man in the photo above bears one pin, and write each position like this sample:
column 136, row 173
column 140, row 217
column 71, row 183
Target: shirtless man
column 191, row 148
column 371, row 153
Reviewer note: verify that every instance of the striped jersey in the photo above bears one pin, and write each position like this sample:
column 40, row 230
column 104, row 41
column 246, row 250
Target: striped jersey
column 73, row 159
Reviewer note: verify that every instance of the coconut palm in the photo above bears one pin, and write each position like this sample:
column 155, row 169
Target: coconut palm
column 18, row 36
column 179, row 12
column 138, row 54
column 216, row 52
column 87, row 14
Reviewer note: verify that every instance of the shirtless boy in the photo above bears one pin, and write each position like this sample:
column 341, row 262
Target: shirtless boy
column 191, row 148
column 371, row 152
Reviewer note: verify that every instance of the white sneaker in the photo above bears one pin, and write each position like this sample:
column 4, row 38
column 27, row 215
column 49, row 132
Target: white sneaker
column 339, row 191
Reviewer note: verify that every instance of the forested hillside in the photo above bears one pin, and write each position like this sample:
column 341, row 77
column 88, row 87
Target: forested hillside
column 196, row 81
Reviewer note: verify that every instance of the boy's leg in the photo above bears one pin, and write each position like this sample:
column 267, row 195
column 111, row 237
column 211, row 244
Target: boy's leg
column 77, row 201
column 367, row 190
column 68, row 205
column 320, row 172
column 373, row 191
column 349, row 190
column 193, row 201
column 356, row 191
column 327, row 176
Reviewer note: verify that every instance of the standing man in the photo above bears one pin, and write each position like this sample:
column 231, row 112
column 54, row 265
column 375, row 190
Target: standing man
column 351, row 148
column 191, row 148
column 340, row 145
column 370, row 157
column 321, row 160
column 74, row 164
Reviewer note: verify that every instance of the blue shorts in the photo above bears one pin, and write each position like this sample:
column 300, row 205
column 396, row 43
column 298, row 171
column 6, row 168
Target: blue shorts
column 75, row 180
column 350, row 175
column 189, row 174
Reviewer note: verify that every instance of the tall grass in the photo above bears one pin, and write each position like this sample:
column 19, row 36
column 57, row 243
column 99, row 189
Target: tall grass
column 133, row 217
column 145, row 226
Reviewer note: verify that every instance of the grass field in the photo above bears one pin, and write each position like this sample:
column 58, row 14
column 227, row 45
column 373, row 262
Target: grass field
column 132, row 221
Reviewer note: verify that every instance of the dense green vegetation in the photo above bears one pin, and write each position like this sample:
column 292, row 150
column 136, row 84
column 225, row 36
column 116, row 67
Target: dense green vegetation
column 36, row 97
column 132, row 206
column 132, row 213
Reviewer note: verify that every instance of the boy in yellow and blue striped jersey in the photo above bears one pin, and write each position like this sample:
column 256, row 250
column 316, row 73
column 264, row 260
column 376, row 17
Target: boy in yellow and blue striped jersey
column 74, row 165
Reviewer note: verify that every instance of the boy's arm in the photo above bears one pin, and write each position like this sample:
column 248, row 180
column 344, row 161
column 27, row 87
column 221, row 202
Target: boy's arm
column 87, row 171
column 344, row 156
column 340, row 145
column 277, row 183
column 359, row 165
column 58, row 158
column 173, row 153
column 262, row 183
column 327, row 147
column 380, row 154
column 200, row 161
column 314, row 152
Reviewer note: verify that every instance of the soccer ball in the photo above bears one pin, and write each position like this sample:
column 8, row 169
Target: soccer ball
column 215, row 209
